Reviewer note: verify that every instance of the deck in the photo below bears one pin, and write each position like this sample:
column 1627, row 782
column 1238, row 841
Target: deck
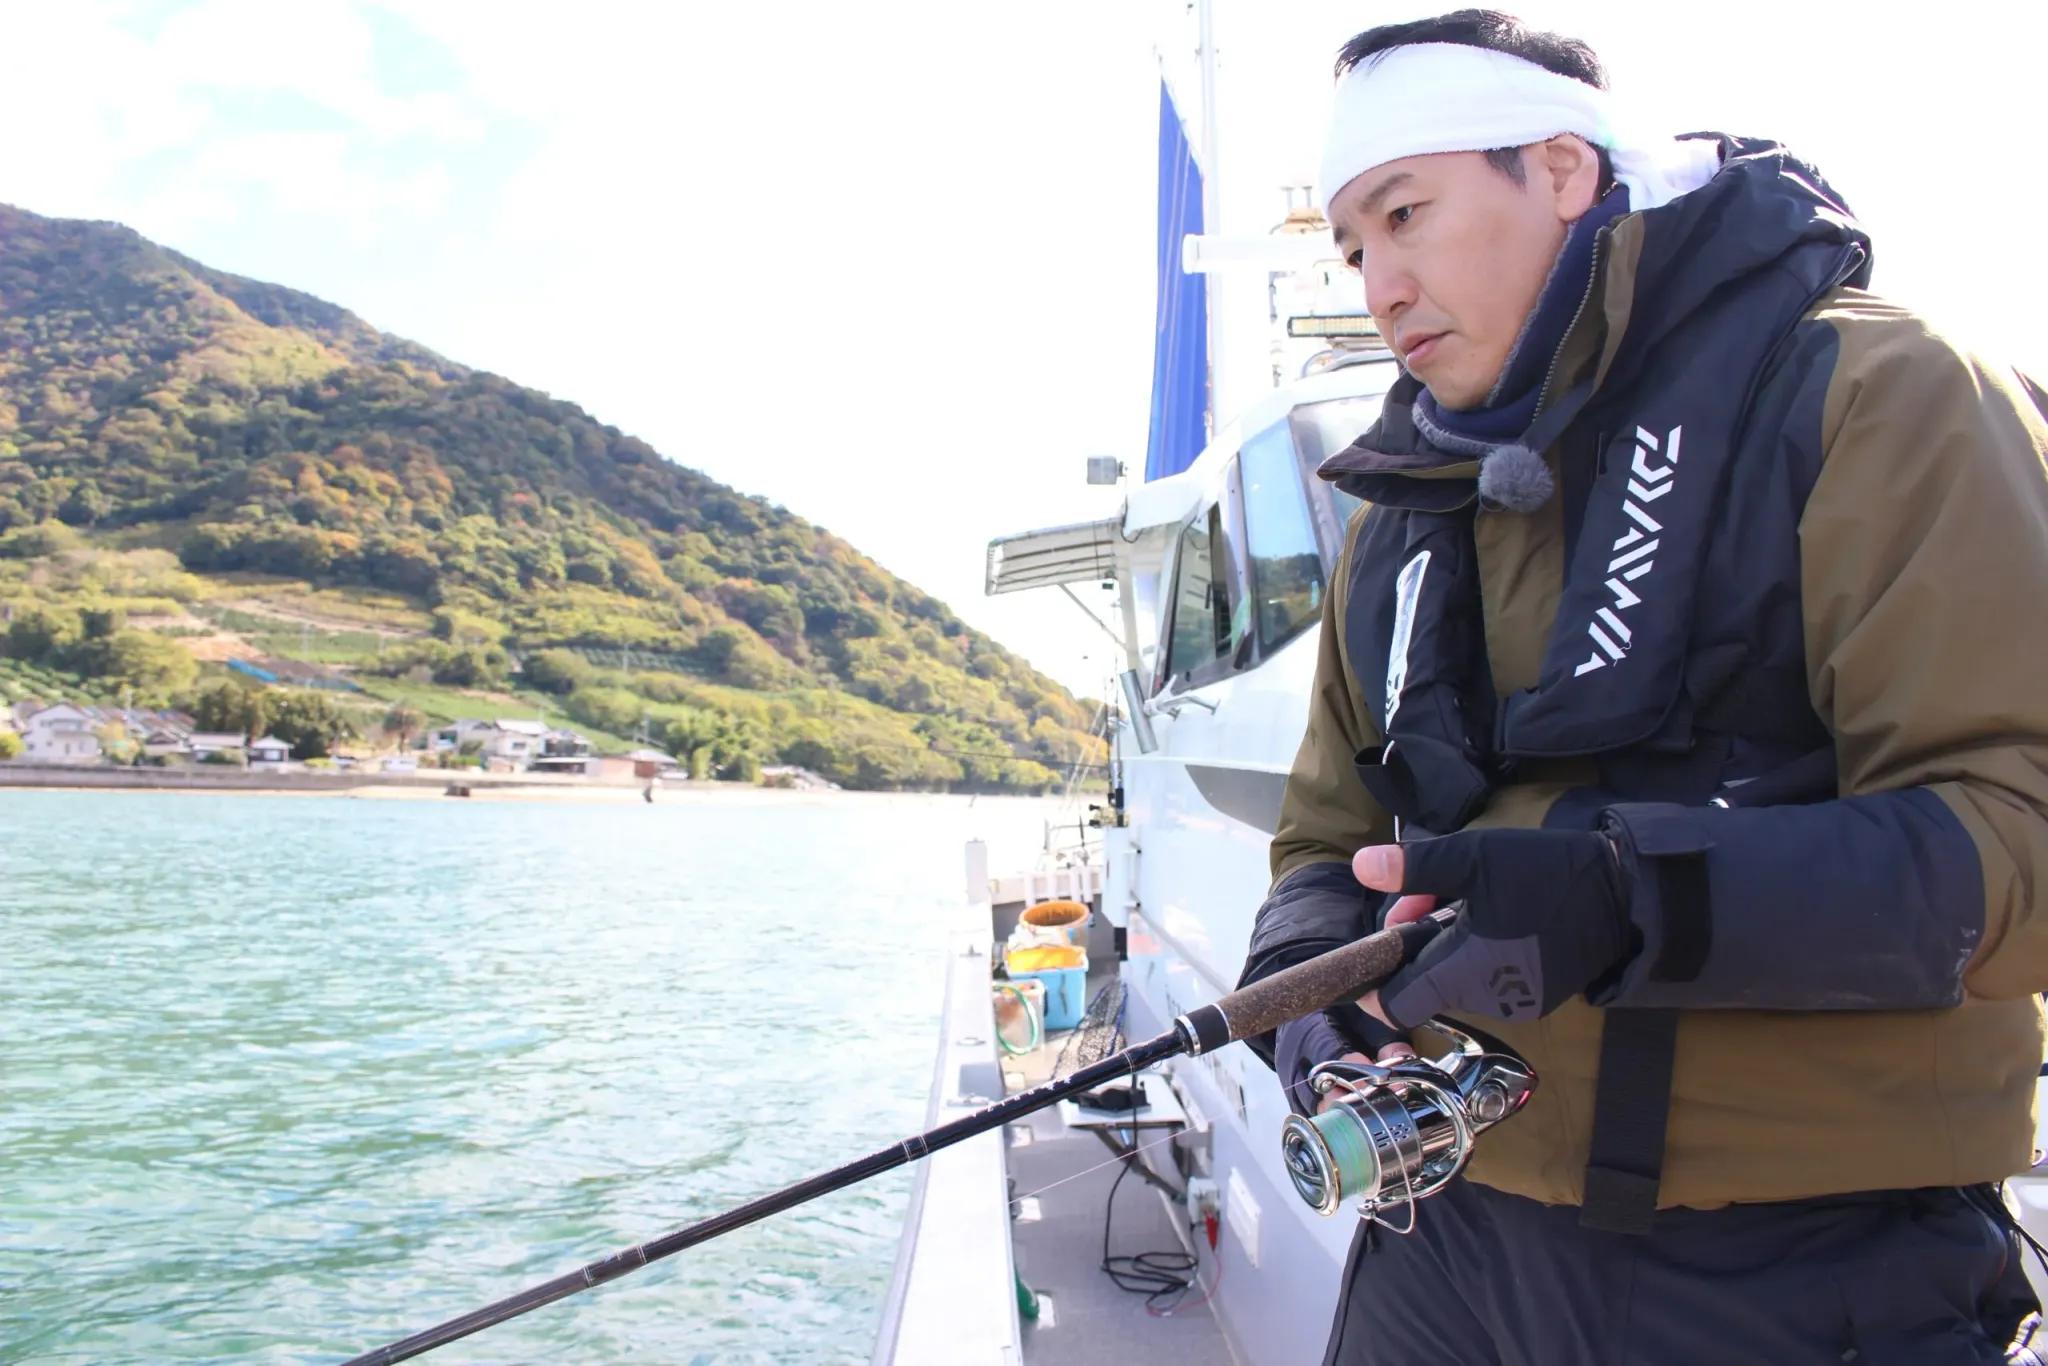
column 1061, row 1178
column 954, row 1300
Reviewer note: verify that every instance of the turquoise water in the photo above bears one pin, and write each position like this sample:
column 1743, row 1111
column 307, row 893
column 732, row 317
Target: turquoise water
column 286, row 1078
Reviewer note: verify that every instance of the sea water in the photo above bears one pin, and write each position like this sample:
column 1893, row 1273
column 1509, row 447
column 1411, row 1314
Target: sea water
column 284, row 1078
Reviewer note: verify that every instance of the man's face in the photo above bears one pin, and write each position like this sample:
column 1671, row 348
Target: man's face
column 1454, row 254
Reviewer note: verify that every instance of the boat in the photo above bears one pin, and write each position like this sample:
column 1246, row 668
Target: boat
column 1220, row 558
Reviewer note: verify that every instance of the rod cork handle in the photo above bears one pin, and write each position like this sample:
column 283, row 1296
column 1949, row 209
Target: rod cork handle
column 1342, row 974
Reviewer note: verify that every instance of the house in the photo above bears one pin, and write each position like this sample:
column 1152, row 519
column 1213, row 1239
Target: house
column 564, row 751
column 506, row 743
column 652, row 763
column 446, row 740
column 141, row 720
column 165, row 742
column 269, row 752
column 61, row 733
column 75, row 732
column 500, row 743
column 610, row 768
column 202, row 745
column 513, row 742
column 161, row 734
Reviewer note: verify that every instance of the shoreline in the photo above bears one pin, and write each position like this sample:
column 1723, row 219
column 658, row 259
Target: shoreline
column 432, row 786
column 376, row 786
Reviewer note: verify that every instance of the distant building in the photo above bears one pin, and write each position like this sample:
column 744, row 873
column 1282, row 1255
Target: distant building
column 652, row 763
column 269, row 752
column 513, row 742
column 564, row 751
column 69, row 732
column 449, row 739
column 165, row 742
column 203, row 744
column 503, row 743
column 61, row 733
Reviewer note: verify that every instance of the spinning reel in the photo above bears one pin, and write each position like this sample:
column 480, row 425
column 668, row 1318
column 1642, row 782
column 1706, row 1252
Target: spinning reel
column 1401, row 1131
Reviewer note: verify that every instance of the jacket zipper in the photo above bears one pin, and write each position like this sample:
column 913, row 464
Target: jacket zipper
column 1592, row 278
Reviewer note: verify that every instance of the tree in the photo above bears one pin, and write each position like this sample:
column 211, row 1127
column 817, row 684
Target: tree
column 10, row 745
column 97, row 623
column 234, row 708
column 403, row 722
column 213, row 546
column 86, row 505
column 473, row 666
column 717, row 648
column 556, row 671
column 310, row 723
column 458, row 627
column 116, row 743
column 148, row 663
column 39, row 634
column 37, row 539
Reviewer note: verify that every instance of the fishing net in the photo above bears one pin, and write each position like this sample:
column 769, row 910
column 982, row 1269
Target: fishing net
column 1100, row 1033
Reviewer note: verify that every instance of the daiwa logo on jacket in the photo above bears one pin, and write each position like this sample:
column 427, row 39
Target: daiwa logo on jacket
column 1633, row 549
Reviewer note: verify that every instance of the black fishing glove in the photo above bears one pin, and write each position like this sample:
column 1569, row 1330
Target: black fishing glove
column 1545, row 917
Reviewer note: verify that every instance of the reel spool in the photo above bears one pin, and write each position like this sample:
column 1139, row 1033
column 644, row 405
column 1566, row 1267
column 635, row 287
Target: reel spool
column 1404, row 1130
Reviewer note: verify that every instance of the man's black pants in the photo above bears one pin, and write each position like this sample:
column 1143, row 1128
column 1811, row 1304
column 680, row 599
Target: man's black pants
column 1886, row 1278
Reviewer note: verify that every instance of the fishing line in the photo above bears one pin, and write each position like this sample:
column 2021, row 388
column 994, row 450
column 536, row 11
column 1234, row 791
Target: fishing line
column 1120, row 1157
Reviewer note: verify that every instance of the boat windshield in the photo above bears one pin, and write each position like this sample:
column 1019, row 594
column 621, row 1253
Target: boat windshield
column 1320, row 431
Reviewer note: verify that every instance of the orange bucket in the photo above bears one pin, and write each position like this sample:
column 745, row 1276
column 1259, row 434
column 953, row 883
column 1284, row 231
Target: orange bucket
column 1068, row 916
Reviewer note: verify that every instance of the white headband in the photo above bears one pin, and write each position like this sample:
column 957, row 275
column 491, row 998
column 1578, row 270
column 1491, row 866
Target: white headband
column 1447, row 97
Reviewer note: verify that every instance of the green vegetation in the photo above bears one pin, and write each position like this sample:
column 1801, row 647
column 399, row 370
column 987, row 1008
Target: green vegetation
column 187, row 454
column 310, row 722
column 21, row 681
column 95, row 642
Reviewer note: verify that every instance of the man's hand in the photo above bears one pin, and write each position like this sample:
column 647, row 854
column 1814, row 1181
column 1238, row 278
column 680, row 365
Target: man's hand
column 1546, row 914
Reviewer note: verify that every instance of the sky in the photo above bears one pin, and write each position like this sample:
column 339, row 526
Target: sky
column 890, row 265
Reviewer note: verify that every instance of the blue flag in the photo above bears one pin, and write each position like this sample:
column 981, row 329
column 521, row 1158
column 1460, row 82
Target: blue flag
column 1180, row 359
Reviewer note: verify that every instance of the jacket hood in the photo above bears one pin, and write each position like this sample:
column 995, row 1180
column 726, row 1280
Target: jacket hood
column 1763, row 206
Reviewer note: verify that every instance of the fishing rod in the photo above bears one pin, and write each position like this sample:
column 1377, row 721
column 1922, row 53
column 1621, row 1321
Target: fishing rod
column 1342, row 974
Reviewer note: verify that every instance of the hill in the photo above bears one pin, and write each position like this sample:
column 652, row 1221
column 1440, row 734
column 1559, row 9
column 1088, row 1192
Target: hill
column 196, row 466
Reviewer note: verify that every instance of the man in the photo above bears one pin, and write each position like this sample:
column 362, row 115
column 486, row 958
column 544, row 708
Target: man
column 1692, row 642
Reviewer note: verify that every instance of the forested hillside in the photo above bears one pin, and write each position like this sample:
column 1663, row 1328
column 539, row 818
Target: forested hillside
column 223, row 464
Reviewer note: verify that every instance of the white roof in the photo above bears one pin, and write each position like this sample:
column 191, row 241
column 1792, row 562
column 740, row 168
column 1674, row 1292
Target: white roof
column 521, row 727
column 1160, row 502
column 216, row 737
column 269, row 742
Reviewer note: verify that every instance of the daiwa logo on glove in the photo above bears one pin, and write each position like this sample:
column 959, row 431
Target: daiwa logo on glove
column 1634, row 549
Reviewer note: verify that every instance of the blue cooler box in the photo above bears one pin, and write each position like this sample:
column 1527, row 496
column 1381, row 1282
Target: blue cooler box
column 1066, row 994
